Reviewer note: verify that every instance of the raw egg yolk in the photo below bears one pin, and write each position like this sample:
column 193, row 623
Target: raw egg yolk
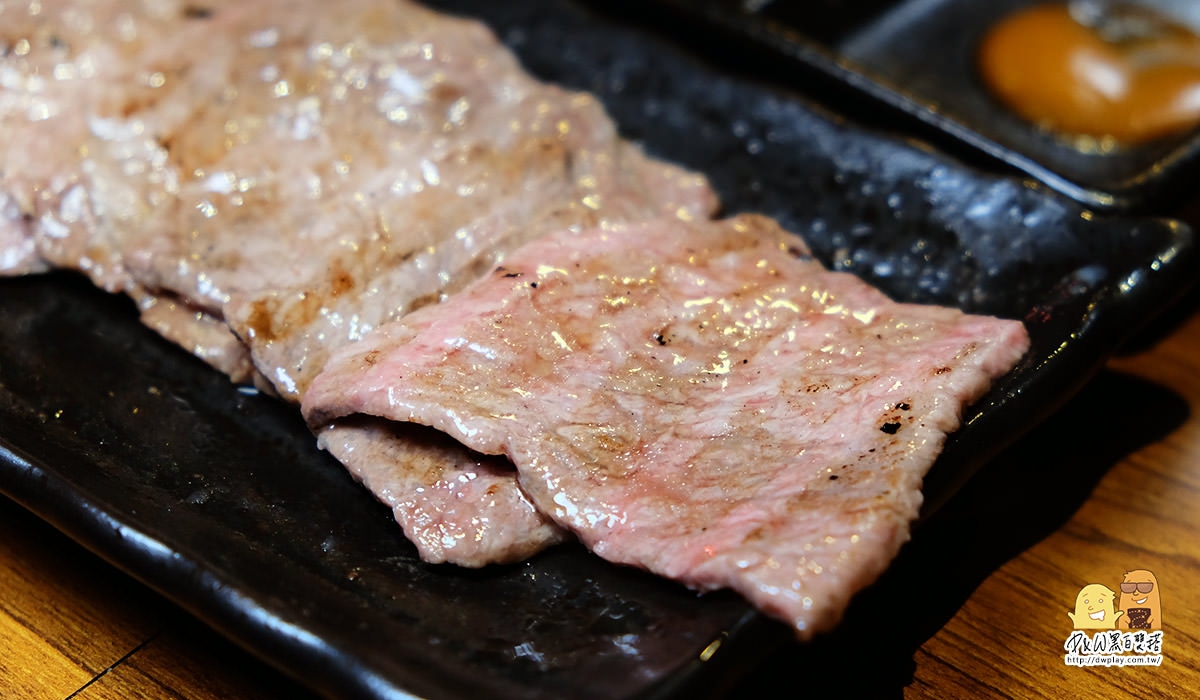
column 1063, row 76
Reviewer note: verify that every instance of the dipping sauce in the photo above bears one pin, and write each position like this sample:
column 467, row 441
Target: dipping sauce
column 1121, row 88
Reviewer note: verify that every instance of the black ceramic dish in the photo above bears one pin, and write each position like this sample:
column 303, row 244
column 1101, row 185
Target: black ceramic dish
column 218, row 498
column 919, row 58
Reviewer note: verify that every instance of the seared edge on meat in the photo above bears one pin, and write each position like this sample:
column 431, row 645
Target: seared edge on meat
column 704, row 401
column 455, row 505
column 300, row 172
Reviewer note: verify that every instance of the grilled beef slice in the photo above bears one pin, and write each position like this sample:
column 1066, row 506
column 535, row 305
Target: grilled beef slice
column 704, row 401
column 302, row 172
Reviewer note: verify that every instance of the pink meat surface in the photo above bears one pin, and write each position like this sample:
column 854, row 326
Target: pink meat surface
column 300, row 172
column 455, row 505
column 298, row 169
column 77, row 79
column 703, row 401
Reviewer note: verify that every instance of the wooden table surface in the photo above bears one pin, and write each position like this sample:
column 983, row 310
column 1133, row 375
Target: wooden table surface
column 975, row 606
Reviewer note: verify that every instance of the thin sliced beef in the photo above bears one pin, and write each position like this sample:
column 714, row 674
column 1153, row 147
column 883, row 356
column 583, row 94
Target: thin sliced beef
column 321, row 167
column 197, row 331
column 300, row 172
column 77, row 74
column 704, row 401
column 436, row 240
column 456, row 505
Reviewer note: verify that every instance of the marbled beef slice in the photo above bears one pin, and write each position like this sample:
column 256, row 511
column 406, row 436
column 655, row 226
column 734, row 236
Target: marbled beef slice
column 302, row 171
column 319, row 166
column 82, row 81
column 702, row 400
column 455, row 505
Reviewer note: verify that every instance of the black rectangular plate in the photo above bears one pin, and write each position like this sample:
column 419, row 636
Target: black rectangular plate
column 919, row 57
column 218, row 497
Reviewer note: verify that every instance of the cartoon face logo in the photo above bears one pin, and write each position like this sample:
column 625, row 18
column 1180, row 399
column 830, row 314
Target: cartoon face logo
column 1095, row 608
column 1140, row 602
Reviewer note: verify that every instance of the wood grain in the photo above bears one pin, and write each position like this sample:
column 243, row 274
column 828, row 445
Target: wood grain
column 975, row 606
column 71, row 626
column 1142, row 513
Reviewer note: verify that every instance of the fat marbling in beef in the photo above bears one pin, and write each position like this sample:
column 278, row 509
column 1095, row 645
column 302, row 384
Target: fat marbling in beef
column 300, row 172
column 704, row 401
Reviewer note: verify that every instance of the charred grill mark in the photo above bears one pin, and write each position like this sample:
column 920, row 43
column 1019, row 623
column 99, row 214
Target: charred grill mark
column 264, row 313
column 894, row 421
column 136, row 105
column 193, row 149
column 405, row 256
column 423, row 300
column 197, row 12
column 260, row 322
column 445, row 92
column 798, row 253
column 340, row 280
column 478, row 267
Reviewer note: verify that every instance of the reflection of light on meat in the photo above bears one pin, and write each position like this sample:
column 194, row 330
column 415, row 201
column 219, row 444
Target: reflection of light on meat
column 715, row 427
column 226, row 162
